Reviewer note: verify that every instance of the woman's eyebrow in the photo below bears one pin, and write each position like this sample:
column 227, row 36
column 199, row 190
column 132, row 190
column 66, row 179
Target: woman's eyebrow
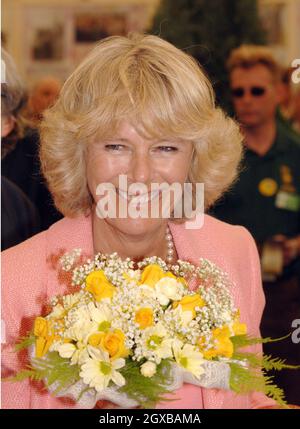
column 118, row 139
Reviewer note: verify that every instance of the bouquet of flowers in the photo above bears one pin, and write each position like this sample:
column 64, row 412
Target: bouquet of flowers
column 132, row 333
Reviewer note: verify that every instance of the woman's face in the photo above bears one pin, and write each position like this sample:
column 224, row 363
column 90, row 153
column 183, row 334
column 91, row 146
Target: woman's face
column 142, row 161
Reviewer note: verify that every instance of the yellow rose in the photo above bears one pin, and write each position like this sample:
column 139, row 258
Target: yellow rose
column 112, row 342
column 44, row 336
column 223, row 345
column 144, row 317
column 98, row 285
column 189, row 303
column 95, row 339
column 153, row 273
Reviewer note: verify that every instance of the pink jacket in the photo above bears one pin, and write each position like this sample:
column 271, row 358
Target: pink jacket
column 30, row 276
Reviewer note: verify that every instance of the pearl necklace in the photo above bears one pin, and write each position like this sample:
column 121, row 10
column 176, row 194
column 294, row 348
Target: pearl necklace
column 170, row 247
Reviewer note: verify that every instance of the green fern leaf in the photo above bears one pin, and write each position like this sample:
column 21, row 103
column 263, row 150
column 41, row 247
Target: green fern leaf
column 25, row 342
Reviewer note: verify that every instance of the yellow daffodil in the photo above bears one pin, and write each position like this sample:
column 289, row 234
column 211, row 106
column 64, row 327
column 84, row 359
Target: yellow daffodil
column 144, row 317
column 44, row 336
column 223, row 344
column 183, row 281
column 189, row 303
column 153, row 273
column 99, row 286
column 41, row 327
column 238, row 327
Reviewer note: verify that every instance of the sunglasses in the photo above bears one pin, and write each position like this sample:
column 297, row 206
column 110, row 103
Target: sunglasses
column 255, row 91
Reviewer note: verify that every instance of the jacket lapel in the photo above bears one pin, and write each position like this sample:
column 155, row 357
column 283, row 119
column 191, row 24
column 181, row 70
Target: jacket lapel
column 191, row 246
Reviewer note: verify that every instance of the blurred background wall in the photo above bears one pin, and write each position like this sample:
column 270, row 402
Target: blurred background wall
column 50, row 37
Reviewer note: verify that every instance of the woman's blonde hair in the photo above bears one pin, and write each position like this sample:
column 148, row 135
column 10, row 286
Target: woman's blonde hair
column 158, row 88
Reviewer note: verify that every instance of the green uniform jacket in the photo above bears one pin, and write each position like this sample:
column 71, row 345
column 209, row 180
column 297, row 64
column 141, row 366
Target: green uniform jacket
column 253, row 200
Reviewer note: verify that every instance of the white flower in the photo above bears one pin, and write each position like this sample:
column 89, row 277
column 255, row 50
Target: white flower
column 185, row 317
column 57, row 312
column 148, row 369
column 146, row 291
column 226, row 316
column 70, row 300
column 98, row 370
column 168, row 289
column 76, row 351
column 100, row 315
column 134, row 275
column 66, row 350
column 156, row 341
column 188, row 357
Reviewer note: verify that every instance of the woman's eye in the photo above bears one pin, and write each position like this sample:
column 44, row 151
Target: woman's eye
column 114, row 147
column 167, row 148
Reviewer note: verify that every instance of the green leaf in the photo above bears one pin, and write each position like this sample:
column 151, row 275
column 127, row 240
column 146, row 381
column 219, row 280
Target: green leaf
column 269, row 363
column 55, row 369
column 251, row 377
column 245, row 340
column 246, row 380
column 25, row 342
column 50, row 369
column 22, row 375
column 147, row 391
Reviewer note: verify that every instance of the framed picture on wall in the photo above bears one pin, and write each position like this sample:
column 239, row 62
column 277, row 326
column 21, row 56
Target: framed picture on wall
column 90, row 28
column 274, row 18
column 91, row 24
column 56, row 38
column 47, row 41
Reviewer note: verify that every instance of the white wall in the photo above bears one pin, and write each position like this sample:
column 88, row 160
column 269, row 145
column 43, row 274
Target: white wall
column 290, row 49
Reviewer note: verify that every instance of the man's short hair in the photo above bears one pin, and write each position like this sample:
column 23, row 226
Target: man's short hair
column 248, row 56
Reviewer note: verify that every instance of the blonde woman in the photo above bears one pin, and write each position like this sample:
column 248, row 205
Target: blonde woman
column 136, row 107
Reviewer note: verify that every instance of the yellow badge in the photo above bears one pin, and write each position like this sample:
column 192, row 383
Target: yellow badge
column 268, row 187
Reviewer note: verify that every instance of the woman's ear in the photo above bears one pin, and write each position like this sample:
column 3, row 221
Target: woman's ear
column 7, row 125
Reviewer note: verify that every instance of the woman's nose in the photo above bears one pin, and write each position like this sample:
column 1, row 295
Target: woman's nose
column 140, row 169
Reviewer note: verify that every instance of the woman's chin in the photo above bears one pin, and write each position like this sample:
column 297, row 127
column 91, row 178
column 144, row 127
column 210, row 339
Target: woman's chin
column 137, row 226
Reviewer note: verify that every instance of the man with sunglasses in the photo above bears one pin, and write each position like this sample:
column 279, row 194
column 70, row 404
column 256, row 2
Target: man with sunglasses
column 266, row 198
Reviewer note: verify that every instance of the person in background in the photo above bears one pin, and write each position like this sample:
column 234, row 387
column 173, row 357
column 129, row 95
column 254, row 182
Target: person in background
column 19, row 218
column 266, row 197
column 286, row 93
column 19, row 146
column 285, row 111
column 43, row 95
column 296, row 112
